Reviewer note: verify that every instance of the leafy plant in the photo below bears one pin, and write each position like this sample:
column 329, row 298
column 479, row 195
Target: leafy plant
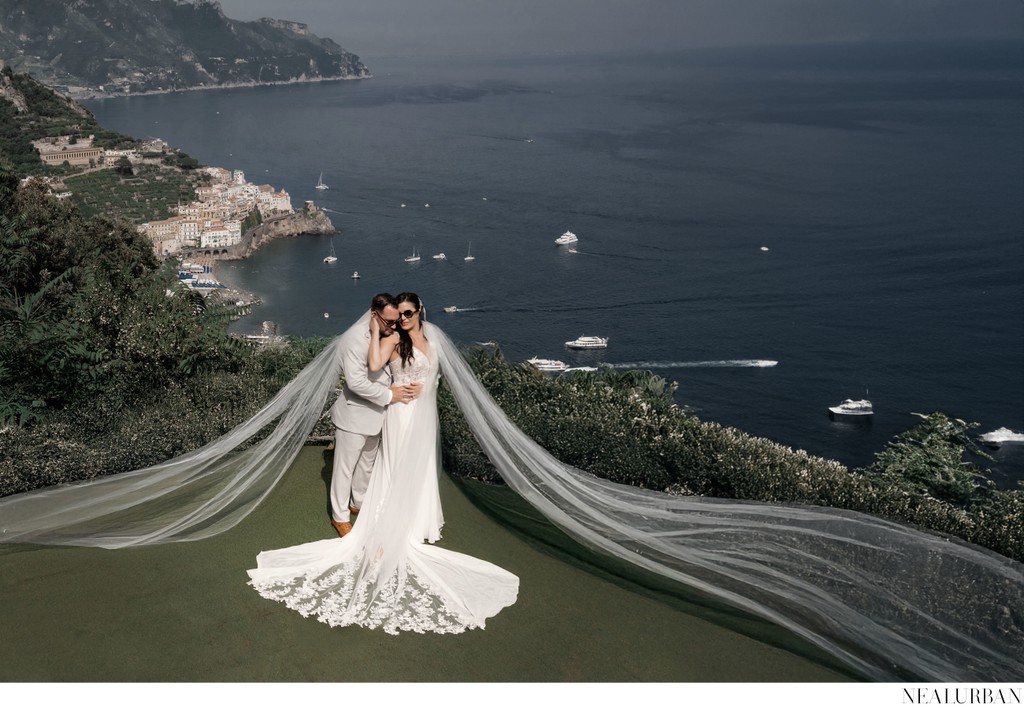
column 929, row 459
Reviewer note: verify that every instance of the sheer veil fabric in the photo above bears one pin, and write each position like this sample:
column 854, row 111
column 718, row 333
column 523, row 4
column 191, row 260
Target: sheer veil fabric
column 893, row 602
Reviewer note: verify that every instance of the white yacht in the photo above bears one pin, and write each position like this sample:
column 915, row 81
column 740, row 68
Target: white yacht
column 547, row 364
column 355, row 275
column 851, row 410
column 440, row 257
column 332, row 258
column 320, row 182
column 469, row 253
column 414, row 257
column 451, row 308
column 566, row 238
column 584, row 342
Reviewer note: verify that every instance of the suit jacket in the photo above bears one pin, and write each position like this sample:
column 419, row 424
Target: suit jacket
column 360, row 407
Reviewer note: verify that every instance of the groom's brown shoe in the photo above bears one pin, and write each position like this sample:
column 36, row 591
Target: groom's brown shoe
column 342, row 527
column 352, row 510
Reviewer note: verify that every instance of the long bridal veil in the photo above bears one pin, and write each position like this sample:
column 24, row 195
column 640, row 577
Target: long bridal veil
column 892, row 602
column 193, row 496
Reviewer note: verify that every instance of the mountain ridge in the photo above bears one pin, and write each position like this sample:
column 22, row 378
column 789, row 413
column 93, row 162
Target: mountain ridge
column 94, row 48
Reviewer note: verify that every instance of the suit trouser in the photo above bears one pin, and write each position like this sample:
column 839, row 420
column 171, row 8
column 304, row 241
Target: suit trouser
column 353, row 460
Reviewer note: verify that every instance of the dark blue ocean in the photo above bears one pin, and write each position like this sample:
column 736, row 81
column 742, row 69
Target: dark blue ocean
column 885, row 182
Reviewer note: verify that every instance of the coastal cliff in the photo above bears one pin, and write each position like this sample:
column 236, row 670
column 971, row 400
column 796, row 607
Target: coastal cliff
column 95, row 48
column 305, row 221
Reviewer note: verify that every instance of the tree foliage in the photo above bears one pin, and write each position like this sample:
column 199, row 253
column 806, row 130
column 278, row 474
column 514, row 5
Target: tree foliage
column 123, row 167
column 86, row 308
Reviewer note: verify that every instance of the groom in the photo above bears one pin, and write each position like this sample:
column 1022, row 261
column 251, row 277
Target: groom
column 358, row 414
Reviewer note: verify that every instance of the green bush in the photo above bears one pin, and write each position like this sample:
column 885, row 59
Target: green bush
column 107, row 434
column 929, row 460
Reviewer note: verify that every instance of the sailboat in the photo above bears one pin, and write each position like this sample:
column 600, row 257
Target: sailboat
column 469, row 254
column 414, row 257
column 333, row 257
column 320, row 182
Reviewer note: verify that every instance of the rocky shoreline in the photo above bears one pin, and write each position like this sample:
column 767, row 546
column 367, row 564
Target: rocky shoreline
column 309, row 220
column 84, row 93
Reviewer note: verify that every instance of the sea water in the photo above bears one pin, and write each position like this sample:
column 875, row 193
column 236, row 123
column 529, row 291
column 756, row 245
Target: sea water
column 774, row 229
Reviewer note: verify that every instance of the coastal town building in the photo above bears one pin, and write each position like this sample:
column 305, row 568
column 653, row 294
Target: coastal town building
column 190, row 231
column 218, row 175
column 58, row 150
column 154, row 145
column 271, row 202
column 163, row 228
column 214, row 219
column 220, row 234
column 110, row 157
column 164, row 234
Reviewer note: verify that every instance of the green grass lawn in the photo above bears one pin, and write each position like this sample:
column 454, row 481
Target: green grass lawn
column 184, row 613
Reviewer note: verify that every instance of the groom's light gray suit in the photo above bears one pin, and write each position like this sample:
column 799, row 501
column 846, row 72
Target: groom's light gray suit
column 358, row 416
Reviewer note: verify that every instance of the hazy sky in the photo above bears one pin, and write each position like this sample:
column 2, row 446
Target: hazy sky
column 383, row 27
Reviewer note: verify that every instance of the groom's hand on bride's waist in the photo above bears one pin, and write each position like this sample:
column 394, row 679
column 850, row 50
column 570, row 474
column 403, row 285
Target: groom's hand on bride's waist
column 406, row 392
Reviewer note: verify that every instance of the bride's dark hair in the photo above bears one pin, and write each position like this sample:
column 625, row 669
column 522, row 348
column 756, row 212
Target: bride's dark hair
column 404, row 340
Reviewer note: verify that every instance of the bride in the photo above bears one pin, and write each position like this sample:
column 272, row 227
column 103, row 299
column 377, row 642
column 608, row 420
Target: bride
column 892, row 602
column 381, row 575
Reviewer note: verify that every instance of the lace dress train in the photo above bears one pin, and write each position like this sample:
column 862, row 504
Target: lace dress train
column 382, row 574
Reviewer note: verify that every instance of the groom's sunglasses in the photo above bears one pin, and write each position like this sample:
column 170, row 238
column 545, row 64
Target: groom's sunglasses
column 389, row 323
column 407, row 314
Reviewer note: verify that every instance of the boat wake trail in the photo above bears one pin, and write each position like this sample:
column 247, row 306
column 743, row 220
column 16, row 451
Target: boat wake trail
column 720, row 364
column 1003, row 435
column 616, row 306
column 510, row 138
column 617, row 256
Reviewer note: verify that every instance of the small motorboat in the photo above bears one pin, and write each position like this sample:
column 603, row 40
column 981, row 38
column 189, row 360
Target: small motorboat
column 355, row 275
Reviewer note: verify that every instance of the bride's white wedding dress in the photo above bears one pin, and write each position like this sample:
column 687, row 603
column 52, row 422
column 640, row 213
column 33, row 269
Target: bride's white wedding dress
column 382, row 574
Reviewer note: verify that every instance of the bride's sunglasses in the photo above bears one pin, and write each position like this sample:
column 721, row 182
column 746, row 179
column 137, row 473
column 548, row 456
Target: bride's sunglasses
column 407, row 314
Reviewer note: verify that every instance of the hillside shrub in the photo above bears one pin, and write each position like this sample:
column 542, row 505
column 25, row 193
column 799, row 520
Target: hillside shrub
column 108, row 434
